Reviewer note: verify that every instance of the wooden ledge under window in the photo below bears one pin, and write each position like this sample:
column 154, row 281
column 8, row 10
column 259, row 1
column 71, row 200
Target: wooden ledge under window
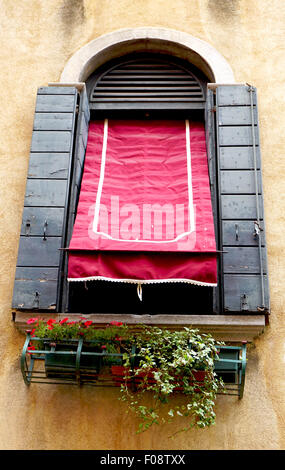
column 233, row 328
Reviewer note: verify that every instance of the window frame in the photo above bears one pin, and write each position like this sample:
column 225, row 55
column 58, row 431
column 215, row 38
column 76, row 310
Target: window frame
column 137, row 109
column 223, row 325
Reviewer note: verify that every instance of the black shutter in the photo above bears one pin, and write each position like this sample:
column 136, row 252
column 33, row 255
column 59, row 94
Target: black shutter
column 240, row 213
column 38, row 277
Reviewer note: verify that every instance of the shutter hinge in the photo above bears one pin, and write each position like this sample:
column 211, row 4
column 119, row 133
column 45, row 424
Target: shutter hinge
column 77, row 109
column 28, row 228
column 261, row 309
column 250, row 88
column 45, row 230
column 214, row 109
column 257, row 229
column 237, row 232
column 37, row 300
column 244, row 302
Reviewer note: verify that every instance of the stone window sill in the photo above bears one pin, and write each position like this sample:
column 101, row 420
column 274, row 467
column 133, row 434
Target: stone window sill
column 230, row 328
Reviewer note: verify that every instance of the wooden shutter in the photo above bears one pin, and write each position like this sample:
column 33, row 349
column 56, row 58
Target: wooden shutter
column 236, row 173
column 44, row 229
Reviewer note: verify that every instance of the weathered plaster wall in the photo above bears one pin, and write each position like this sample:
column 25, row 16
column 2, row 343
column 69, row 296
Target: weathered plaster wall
column 37, row 39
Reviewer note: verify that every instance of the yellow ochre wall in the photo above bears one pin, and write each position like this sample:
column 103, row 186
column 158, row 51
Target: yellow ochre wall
column 37, row 39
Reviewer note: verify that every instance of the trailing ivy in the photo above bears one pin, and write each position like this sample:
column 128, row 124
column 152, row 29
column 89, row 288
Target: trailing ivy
column 177, row 361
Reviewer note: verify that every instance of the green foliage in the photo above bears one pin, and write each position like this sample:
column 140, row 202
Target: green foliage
column 168, row 362
column 65, row 330
column 160, row 362
column 108, row 339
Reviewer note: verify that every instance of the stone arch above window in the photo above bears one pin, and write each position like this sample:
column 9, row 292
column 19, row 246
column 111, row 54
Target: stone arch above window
column 160, row 40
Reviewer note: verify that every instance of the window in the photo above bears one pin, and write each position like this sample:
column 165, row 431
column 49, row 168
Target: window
column 172, row 89
column 140, row 94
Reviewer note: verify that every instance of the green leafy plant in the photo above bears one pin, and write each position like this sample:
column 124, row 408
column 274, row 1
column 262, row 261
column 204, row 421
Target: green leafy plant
column 108, row 339
column 168, row 362
column 156, row 364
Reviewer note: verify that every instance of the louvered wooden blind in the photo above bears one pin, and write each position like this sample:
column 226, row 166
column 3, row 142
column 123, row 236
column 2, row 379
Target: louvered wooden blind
column 148, row 83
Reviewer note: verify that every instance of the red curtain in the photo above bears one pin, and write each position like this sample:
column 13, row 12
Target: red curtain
column 144, row 212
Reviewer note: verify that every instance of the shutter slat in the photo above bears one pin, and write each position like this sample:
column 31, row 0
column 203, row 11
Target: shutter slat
column 233, row 158
column 236, row 135
column 46, row 192
column 53, row 121
column 55, row 103
column 234, row 95
column 35, row 251
column 145, row 94
column 240, row 233
column 152, row 76
column 242, row 259
column 51, row 141
column 239, row 182
column 150, row 105
column 239, row 206
column 100, row 88
column 143, row 82
column 56, row 90
column 243, row 293
column 236, row 115
column 48, row 165
column 37, row 220
column 144, row 99
column 35, row 288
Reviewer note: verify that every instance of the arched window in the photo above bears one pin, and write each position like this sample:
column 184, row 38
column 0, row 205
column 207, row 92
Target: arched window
column 150, row 88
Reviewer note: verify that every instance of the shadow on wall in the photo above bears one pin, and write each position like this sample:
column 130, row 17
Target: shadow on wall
column 72, row 13
column 223, row 11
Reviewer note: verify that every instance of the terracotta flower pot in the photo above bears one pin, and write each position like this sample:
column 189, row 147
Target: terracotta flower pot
column 198, row 377
column 118, row 373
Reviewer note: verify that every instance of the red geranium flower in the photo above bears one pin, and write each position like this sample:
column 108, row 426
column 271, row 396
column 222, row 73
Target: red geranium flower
column 63, row 321
column 31, row 348
column 51, row 321
column 32, row 320
column 50, row 327
column 116, row 323
column 103, row 347
column 118, row 338
column 88, row 323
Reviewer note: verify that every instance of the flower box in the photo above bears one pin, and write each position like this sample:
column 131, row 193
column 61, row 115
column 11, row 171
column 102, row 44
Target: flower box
column 66, row 361
column 149, row 360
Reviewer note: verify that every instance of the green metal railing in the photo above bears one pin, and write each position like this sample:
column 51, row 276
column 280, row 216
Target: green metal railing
column 76, row 365
column 232, row 364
